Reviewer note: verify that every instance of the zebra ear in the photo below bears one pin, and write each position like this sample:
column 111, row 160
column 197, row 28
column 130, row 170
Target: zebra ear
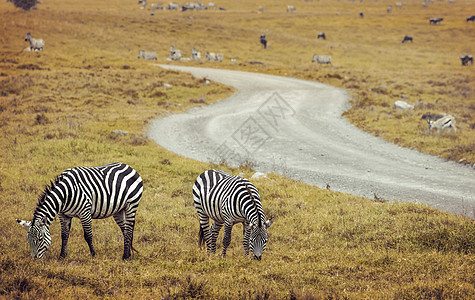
column 269, row 222
column 23, row 223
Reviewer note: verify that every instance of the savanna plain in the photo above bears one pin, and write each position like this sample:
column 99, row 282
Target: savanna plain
column 60, row 106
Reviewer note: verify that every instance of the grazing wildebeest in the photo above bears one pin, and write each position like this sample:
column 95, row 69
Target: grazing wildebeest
column 435, row 20
column 406, row 39
column 447, row 122
column 263, row 40
column 361, row 14
column 471, row 18
column 322, row 35
column 175, row 54
column 214, row 56
column 465, row 59
column 322, row 59
column 35, row 44
column 291, row 8
column 147, row 55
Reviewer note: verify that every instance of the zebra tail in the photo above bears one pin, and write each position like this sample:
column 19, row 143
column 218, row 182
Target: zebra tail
column 202, row 237
column 132, row 247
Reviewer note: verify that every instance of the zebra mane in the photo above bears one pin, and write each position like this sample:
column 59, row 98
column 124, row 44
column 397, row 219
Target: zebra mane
column 45, row 193
column 255, row 205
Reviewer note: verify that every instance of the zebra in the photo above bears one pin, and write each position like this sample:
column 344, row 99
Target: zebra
column 445, row 123
column 291, row 8
column 195, row 55
column 322, row 35
column 389, row 9
column 35, row 44
column 435, row 21
column 322, row 59
column 86, row 193
column 173, row 6
column 407, row 38
column 465, row 59
column 229, row 200
column 263, row 40
column 175, row 54
column 147, row 55
column 211, row 5
column 211, row 56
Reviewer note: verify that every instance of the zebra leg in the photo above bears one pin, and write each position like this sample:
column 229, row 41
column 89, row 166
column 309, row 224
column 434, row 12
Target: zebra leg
column 126, row 221
column 214, row 234
column 246, row 232
column 228, row 227
column 86, row 225
column 65, row 227
column 205, row 233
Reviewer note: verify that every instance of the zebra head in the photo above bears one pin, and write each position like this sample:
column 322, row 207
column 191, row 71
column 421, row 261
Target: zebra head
column 28, row 37
column 38, row 236
column 258, row 238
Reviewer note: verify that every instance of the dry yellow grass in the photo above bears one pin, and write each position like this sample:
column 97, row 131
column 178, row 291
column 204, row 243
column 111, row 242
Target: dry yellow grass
column 58, row 108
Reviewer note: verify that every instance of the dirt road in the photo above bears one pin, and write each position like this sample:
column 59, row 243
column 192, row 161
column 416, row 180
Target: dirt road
column 294, row 127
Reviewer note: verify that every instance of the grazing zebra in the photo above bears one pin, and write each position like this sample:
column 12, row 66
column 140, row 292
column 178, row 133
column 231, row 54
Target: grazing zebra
column 399, row 4
column 471, row 18
column 465, row 59
column 389, row 9
column 407, row 38
column 175, row 54
column 147, row 55
column 143, row 2
column 86, row 193
column 445, row 123
column 35, row 44
column 322, row 59
column 291, row 8
column 173, row 6
column 211, row 5
column 435, row 21
column 322, row 35
column 195, row 55
column 229, row 200
column 211, row 56
column 263, row 40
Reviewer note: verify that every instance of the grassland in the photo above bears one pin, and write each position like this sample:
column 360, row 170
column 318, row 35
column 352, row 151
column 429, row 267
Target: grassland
column 58, row 109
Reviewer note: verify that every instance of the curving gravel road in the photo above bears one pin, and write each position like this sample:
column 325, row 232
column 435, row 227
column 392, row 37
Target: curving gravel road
column 294, row 127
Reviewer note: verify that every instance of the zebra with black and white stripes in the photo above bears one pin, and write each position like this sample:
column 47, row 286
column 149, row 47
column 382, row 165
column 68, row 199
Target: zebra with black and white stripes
column 229, row 200
column 86, row 193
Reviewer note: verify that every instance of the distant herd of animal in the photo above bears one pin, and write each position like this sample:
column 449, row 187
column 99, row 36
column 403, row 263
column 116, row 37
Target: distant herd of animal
column 440, row 122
